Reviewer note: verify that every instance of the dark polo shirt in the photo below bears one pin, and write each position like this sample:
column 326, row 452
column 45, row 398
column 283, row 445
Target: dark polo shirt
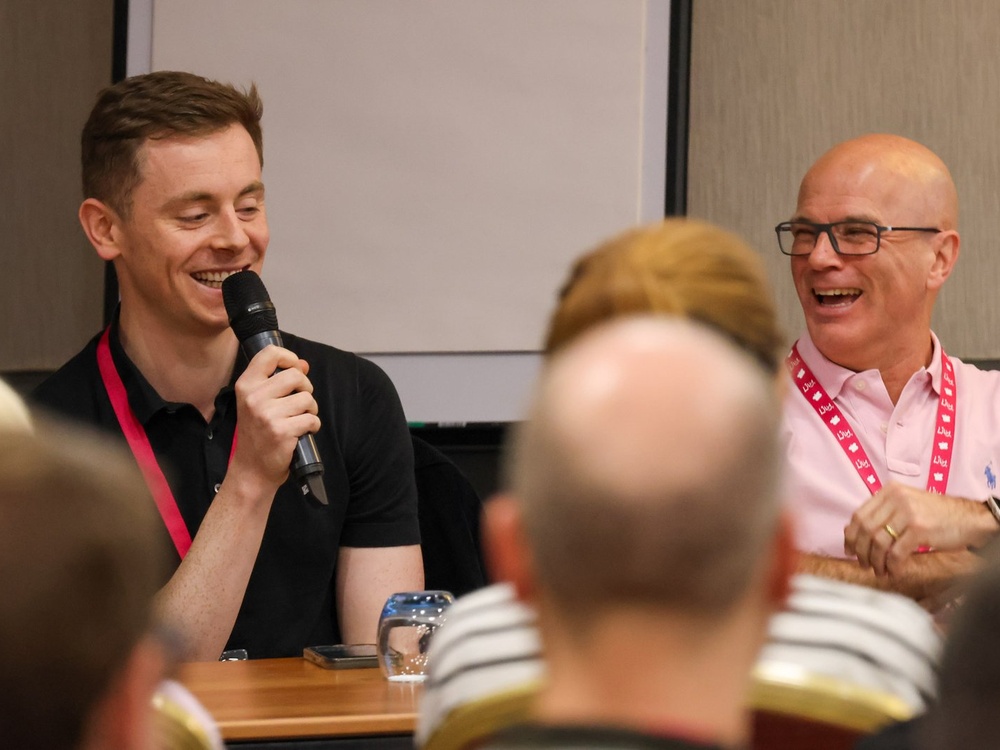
column 364, row 442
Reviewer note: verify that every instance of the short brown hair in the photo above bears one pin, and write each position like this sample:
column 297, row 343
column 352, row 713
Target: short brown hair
column 81, row 558
column 156, row 105
column 681, row 267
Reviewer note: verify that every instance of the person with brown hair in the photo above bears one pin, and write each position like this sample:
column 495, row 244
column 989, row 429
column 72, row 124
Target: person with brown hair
column 80, row 563
column 679, row 267
column 174, row 198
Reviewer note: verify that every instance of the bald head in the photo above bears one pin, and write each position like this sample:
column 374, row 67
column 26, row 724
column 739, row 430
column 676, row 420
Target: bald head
column 906, row 174
column 646, row 470
column 874, row 311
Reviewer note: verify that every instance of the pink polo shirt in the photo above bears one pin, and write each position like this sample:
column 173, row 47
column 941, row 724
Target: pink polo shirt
column 823, row 487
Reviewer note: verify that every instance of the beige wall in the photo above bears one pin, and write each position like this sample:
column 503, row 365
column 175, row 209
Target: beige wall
column 776, row 82
column 54, row 56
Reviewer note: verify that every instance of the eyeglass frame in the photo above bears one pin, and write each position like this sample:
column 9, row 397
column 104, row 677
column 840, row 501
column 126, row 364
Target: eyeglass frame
column 828, row 230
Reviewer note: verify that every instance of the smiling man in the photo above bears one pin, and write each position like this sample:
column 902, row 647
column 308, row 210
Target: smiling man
column 174, row 197
column 893, row 445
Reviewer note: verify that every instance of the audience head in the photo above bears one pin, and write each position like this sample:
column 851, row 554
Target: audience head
column 13, row 412
column 678, row 267
column 153, row 106
column 79, row 565
column 642, row 436
column 871, row 310
column 965, row 715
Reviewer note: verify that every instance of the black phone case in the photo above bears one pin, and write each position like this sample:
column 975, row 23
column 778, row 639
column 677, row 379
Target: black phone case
column 341, row 656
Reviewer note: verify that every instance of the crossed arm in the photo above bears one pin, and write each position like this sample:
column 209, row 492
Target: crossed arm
column 928, row 578
column 910, row 541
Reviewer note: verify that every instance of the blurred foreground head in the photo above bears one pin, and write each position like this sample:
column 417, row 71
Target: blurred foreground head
column 13, row 412
column 646, row 471
column 966, row 715
column 80, row 561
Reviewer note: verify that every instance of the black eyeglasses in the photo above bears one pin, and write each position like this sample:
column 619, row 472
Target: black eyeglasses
column 846, row 237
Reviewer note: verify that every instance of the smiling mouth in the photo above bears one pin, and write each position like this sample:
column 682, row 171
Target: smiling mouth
column 837, row 297
column 214, row 279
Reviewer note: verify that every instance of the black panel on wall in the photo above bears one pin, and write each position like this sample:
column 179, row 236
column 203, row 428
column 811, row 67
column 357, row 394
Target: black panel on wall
column 678, row 97
column 118, row 70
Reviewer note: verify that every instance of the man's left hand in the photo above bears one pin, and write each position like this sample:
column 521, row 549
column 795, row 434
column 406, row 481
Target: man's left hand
column 900, row 520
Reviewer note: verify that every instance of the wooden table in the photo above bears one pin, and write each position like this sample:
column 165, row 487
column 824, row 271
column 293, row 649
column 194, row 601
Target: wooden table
column 267, row 700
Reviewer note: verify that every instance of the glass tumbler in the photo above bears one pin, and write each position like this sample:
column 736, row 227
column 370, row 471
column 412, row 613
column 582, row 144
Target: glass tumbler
column 405, row 627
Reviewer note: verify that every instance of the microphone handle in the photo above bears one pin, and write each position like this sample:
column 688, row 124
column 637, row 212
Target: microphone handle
column 307, row 466
column 258, row 341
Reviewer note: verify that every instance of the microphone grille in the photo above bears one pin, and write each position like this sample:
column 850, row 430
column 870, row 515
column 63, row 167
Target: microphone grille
column 248, row 305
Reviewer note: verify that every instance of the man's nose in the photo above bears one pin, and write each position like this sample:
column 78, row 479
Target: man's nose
column 230, row 234
column 823, row 255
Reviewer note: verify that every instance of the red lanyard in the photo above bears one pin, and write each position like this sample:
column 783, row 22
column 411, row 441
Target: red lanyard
column 138, row 442
column 819, row 399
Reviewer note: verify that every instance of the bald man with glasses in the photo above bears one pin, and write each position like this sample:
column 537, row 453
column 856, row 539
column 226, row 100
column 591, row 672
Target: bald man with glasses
column 893, row 445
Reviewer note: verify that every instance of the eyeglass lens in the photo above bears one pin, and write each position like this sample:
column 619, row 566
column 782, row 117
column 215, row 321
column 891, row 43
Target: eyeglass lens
column 848, row 237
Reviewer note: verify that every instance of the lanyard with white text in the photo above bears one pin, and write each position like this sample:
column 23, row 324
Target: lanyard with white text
column 816, row 395
column 138, row 442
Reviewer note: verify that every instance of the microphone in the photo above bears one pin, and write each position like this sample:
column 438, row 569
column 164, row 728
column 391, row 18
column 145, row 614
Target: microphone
column 253, row 319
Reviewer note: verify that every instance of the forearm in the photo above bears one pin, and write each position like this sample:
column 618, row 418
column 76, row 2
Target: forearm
column 841, row 569
column 203, row 597
column 980, row 527
column 923, row 577
column 930, row 577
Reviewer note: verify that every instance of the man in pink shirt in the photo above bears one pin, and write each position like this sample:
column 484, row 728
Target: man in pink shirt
column 893, row 446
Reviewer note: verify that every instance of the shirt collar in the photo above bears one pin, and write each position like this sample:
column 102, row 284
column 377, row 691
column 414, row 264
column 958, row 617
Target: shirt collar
column 833, row 377
column 142, row 397
column 935, row 368
column 830, row 375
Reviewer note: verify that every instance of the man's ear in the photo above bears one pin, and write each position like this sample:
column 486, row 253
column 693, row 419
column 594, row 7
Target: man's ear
column 505, row 547
column 101, row 225
column 946, row 247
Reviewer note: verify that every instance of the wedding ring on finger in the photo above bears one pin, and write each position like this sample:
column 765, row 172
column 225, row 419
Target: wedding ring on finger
column 891, row 532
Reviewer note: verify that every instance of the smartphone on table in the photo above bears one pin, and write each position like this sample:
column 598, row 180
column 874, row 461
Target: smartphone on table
column 342, row 655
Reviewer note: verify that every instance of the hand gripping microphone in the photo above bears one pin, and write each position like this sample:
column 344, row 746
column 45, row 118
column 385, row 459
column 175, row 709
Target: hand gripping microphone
column 253, row 319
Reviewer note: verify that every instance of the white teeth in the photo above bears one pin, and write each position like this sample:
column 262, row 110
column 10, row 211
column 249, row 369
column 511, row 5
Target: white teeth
column 213, row 279
column 217, row 276
column 837, row 292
